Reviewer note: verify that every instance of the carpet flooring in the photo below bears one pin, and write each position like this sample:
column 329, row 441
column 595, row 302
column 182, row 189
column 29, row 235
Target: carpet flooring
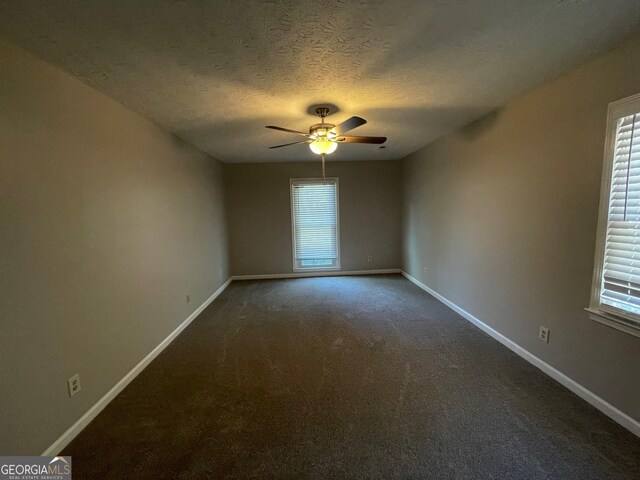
column 347, row 378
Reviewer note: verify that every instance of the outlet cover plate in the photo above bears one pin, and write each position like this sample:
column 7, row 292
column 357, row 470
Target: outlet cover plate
column 543, row 334
column 74, row 385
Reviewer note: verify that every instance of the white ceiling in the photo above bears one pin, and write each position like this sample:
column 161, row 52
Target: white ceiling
column 217, row 72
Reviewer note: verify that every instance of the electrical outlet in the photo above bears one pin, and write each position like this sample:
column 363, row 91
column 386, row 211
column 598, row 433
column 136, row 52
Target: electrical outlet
column 543, row 334
column 74, row 385
column 370, row 258
column 188, row 299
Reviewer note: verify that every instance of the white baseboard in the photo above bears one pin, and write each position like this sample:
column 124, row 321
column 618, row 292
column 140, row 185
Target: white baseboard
column 57, row 446
column 327, row 273
column 605, row 407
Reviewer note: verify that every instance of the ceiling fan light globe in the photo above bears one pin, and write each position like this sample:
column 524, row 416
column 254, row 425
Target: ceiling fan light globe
column 323, row 145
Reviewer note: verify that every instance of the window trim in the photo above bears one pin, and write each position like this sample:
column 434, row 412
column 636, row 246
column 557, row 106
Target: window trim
column 337, row 266
column 621, row 320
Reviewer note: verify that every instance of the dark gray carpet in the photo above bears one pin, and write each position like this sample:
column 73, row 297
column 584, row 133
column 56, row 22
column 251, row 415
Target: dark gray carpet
column 346, row 377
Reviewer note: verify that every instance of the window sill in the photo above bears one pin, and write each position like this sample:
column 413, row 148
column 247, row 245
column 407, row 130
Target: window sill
column 316, row 269
column 614, row 322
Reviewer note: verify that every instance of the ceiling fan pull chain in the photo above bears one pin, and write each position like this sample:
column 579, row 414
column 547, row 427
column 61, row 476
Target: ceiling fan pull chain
column 324, row 179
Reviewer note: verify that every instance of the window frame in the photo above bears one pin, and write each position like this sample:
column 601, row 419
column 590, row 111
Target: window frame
column 311, row 181
column 619, row 319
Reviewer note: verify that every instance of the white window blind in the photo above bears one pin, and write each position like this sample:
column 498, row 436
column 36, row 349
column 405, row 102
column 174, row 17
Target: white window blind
column 620, row 283
column 314, row 208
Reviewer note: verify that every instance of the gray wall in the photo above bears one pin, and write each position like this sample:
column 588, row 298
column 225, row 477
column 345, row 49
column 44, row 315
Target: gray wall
column 107, row 223
column 259, row 214
column 500, row 218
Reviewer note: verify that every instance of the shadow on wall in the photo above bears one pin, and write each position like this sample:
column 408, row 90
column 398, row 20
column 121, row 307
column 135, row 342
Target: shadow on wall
column 480, row 126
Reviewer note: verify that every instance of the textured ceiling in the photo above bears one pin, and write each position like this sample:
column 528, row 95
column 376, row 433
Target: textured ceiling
column 216, row 72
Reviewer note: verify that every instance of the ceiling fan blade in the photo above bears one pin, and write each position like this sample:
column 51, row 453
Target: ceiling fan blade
column 349, row 124
column 343, row 139
column 287, row 144
column 287, row 130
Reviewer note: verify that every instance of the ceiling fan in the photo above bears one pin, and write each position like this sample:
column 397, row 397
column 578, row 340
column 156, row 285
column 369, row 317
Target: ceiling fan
column 323, row 138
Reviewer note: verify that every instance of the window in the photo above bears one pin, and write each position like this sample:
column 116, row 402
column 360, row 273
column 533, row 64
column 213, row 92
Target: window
column 315, row 225
column 615, row 298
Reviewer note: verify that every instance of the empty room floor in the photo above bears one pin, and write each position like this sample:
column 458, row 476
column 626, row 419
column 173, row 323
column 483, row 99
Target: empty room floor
column 346, row 377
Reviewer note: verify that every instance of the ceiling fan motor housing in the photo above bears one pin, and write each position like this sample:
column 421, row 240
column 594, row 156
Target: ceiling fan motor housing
column 322, row 130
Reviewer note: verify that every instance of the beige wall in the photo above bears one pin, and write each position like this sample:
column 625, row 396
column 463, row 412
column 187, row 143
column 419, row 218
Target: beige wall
column 500, row 218
column 107, row 223
column 259, row 214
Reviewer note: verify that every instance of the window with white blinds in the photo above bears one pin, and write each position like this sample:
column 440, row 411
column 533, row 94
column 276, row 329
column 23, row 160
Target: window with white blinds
column 314, row 212
column 616, row 292
column 621, row 270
